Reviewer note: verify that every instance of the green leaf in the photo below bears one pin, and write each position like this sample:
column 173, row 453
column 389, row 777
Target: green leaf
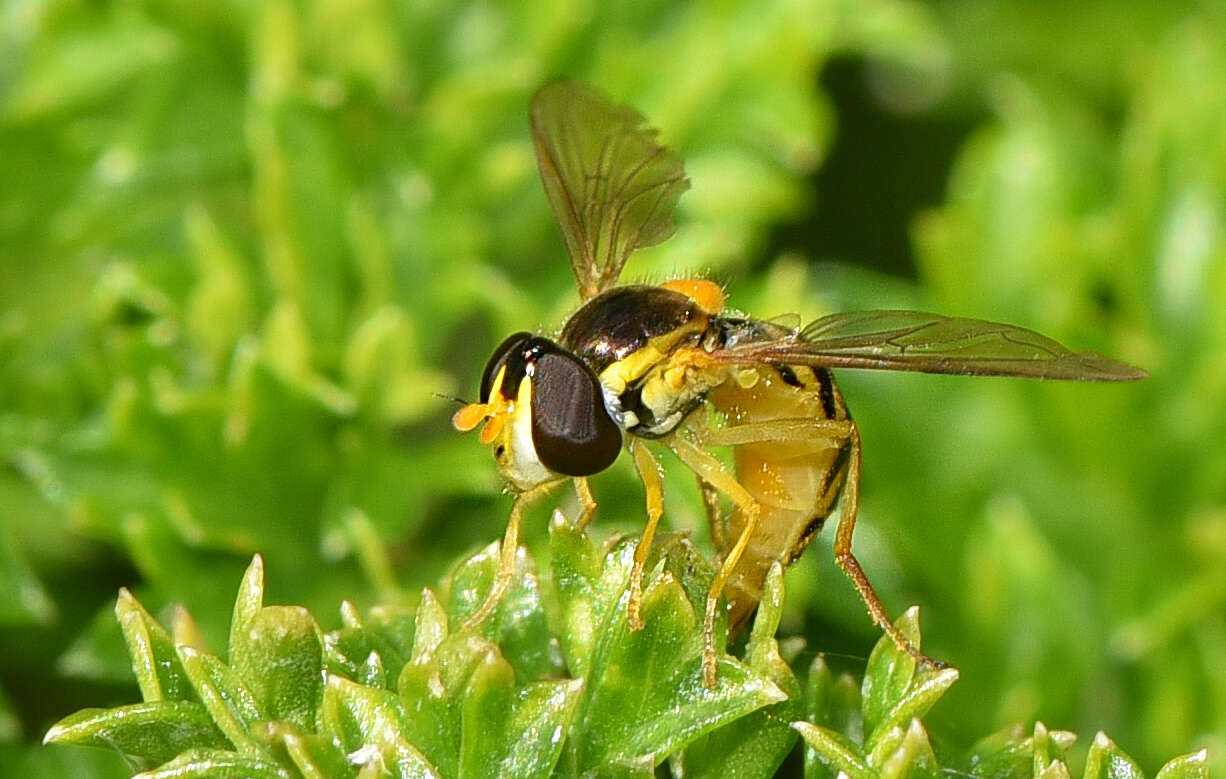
column 514, row 732
column 895, row 690
column 885, row 713
column 460, row 708
column 314, row 756
column 758, row 742
column 217, row 764
column 230, row 703
column 836, row 751
column 466, row 713
column 519, row 624
column 154, row 731
column 1193, row 766
column 248, row 601
column 833, row 702
column 588, row 588
column 889, row 673
column 386, row 633
column 1012, row 754
column 371, row 727
column 1049, row 748
column 646, row 696
column 280, row 656
column 155, row 662
column 1107, row 761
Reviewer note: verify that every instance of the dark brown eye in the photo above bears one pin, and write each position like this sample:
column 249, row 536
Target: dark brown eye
column 512, row 346
column 572, row 431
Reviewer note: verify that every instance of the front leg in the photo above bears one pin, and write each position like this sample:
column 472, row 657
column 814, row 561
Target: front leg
column 506, row 557
column 649, row 472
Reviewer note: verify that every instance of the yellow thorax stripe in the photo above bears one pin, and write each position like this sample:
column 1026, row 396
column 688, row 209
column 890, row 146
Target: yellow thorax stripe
column 635, row 365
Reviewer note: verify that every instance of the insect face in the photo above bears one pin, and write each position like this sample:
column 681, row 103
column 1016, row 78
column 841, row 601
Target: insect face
column 544, row 414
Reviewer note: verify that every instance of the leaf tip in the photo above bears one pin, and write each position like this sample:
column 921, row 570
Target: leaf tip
column 54, row 734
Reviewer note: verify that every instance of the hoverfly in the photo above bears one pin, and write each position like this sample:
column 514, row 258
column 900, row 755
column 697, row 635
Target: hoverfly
column 667, row 364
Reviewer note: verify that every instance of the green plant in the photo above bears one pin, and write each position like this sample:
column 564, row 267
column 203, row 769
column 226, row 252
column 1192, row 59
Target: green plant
column 554, row 685
column 243, row 244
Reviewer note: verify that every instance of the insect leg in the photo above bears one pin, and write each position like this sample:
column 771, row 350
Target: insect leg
column 713, row 472
column 587, row 504
column 716, row 521
column 782, row 430
column 847, row 561
column 506, row 559
column 649, row 472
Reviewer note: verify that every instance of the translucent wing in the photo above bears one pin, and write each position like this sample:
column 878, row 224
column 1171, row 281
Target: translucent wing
column 929, row 343
column 612, row 187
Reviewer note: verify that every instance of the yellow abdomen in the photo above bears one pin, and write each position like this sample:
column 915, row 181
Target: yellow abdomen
column 796, row 481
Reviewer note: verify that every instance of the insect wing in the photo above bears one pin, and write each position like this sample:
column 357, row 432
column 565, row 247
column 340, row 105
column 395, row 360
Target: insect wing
column 612, row 187
column 931, row 343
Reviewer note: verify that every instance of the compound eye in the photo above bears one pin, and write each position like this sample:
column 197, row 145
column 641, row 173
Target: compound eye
column 572, row 431
column 513, row 345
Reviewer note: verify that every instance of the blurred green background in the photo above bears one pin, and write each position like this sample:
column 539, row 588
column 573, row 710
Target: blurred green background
column 243, row 246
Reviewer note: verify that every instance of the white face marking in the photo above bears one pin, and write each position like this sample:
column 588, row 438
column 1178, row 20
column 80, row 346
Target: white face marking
column 518, row 462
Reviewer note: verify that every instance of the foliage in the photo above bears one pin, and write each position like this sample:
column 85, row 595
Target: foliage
column 554, row 685
column 244, row 247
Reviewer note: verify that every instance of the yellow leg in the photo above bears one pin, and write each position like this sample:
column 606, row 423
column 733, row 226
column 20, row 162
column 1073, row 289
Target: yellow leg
column 712, row 471
column 649, row 472
column 783, row 430
column 587, row 504
column 715, row 515
column 506, row 559
column 847, row 561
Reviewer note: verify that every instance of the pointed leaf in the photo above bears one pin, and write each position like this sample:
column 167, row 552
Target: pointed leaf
column 833, row 702
column 836, row 751
column 589, row 584
column 217, row 764
column 315, row 756
column 370, row 726
column 646, row 693
column 1048, row 748
column 159, row 673
column 249, row 601
column 926, row 689
column 510, row 732
column 232, row 706
column 279, row 657
column 154, row 731
column 1008, row 754
column 519, row 625
column 431, row 626
column 758, row 742
column 432, row 689
column 1193, row 766
column 889, row 672
column 911, row 757
column 1107, row 761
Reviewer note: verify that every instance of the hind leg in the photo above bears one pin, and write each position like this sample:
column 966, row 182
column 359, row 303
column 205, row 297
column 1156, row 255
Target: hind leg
column 851, row 566
column 843, row 433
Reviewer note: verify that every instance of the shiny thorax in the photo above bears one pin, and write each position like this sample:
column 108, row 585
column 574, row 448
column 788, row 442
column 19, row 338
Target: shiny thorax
column 647, row 345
